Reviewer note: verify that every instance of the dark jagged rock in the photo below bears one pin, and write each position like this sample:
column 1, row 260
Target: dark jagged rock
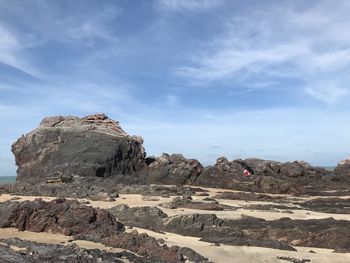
column 281, row 234
column 174, row 169
column 63, row 216
column 247, row 196
column 62, row 150
column 5, row 211
column 27, row 251
column 84, row 222
column 144, row 217
column 97, row 189
column 179, row 202
column 328, row 205
column 272, row 208
column 274, row 185
column 64, row 147
column 343, row 168
column 265, row 176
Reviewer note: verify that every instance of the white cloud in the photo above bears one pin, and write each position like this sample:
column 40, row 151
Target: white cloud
column 7, row 40
column 305, row 45
column 172, row 100
column 10, row 49
column 231, row 59
column 192, row 5
column 328, row 93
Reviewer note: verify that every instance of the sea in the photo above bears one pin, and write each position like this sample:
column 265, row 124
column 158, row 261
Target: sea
column 7, row 179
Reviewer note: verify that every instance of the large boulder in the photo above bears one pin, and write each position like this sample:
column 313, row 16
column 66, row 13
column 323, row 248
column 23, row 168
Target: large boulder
column 223, row 174
column 173, row 169
column 64, row 147
column 343, row 168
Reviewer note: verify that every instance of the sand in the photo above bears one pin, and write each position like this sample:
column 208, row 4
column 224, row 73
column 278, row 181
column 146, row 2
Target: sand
column 246, row 254
column 221, row 253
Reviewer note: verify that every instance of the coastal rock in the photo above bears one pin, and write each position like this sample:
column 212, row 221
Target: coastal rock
column 343, row 168
column 15, row 250
column 62, row 216
column 65, row 147
column 144, row 217
column 264, row 175
column 173, row 169
column 71, row 218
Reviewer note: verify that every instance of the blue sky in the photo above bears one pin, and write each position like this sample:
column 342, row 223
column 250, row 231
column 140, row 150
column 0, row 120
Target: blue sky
column 206, row 78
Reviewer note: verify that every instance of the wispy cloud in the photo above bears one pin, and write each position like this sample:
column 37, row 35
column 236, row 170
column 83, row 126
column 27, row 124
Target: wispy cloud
column 10, row 52
column 172, row 100
column 307, row 44
column 188, row 5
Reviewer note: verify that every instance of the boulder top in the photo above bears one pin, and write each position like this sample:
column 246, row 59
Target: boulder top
column 98, row 122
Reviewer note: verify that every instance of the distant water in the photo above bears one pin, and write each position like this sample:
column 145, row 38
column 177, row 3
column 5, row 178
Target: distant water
column 7, row 179
column 329, row 168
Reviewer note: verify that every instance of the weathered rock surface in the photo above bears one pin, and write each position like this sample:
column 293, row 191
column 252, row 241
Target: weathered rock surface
column 183, row 202
column 324, row 233
column 64, row 147
column 62, row 216
column 15, row 250
column 282, row 233
column 266, row 176
column 145, row 217
column 343, row 168
column 84, row 222
column 247, row 196
column 328, row 205
column 62, row 150
column 94, row 188
column 173, row 169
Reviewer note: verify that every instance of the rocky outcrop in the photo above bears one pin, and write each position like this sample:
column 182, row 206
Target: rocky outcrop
column 63, row 151
column 104, row 189
column 71, row 218
column 15, row 250
column 283, row 233
column 64, row 147
column 343, row 168
column 173, row 169
column 145, row 217
column 62, row 216
column 265, row 176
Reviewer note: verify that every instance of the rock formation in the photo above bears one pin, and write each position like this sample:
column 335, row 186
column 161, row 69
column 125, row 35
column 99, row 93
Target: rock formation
column 265, row 175
column 64, row 150
column 343, row 168
column 64, row 147
column 283, row 233
column 71, row 218
column 22, row 251
column 173, row 169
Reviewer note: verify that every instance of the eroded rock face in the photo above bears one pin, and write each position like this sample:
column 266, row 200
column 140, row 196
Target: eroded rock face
column 71, row 218
column 343, row 168
column 70, row 146
column 173, row 169
column 145, row 217
column 62, row 216
column 265, row 175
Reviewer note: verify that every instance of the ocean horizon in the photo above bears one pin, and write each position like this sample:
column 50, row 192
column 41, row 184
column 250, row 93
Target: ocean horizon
column 7, row 179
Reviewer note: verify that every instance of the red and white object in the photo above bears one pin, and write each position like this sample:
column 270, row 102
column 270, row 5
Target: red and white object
column 246, row 173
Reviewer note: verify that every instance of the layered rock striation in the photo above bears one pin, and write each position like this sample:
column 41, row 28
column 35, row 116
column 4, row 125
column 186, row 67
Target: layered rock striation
column 64, row 147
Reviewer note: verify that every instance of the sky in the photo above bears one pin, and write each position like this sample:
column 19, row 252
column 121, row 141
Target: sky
column 206, row 78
